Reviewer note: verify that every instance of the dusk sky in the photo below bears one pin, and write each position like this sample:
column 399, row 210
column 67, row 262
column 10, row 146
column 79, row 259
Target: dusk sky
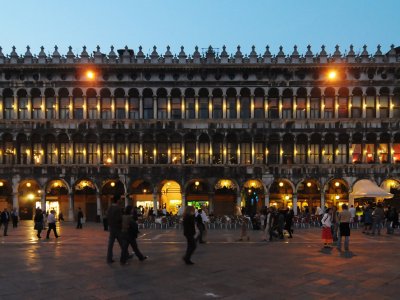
column 200, row 22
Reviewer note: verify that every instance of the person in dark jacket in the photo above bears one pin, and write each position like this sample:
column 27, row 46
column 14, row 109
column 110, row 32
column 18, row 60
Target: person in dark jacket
column 130, row 231
column 38, row 222
column 289, row 221
column 200, row 226
column 5, row 218
column 80, row 218
column 114, row 217
column 189, row 232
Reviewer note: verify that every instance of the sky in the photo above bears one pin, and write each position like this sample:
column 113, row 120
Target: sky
column 199, row 22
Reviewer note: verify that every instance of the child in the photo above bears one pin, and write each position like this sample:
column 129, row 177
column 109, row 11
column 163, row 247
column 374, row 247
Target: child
column 326, row 228
column 244, row 221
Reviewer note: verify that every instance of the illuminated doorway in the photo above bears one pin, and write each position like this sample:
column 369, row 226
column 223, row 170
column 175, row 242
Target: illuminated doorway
column 171, row 196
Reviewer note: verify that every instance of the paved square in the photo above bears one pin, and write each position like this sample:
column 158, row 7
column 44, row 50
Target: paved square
column 74, row 266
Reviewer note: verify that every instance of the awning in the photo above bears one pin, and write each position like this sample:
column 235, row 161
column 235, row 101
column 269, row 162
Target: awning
column 367, row 188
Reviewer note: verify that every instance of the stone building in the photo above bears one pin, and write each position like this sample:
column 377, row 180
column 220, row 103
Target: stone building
column 207, row 128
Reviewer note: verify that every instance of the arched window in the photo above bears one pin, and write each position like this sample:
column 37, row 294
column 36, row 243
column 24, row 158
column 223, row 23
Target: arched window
column 190, row 104
column 148, row 109
column 217, row 104
column 231, row 107
column 245, row 149
column 105, row 96
column 162, row 111
column 8, row 104
column 231, row 149
column 315, row 147
column 288, row 149
column 7, row 149
column 203, row 104
column 301, row 149
column 356, row 148
column 383, row 148
column 259, row 149
column 342, row 149
column 287, row 104
column 329, row 103
column 315, row 103
column 369, row 148
column 259, row 107
column 23, row 112
column 245, row 103
column 64, row 148
column 217, row 149
column 301, row 102
column 92, row 150
column 273, row 103
column 356, row 105
column 273, row 149
column 119, row 96
column 79, row 149
column 328, row 150
column 148, row 149
column 176, row 104
column 63, row 95
column 92, row 105
column 78, row 103
column 176, row 149
column 343, row 101
column 371, row 103
column 384, row 102
column 162, row 149
column 50, row 104
column 190, row 149
column 22, row 149
column 51, row 149
column 37, row 149
column 204, row 149
column 134, row 149
column 120, row 156
column 37, row 105
column 396, row 148
column 396, row 103
column 133, row 105
column 106, row 149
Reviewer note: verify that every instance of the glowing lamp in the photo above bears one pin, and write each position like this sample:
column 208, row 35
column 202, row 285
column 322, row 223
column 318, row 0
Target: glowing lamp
column 332, row 75
column 337, row 183
column 308, row 184
column 90, row 75
column 112, row 184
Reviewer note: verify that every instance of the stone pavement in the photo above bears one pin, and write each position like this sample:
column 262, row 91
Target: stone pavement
column 74, row 266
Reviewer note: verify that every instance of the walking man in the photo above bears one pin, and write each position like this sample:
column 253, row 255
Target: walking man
column 5, row 218
column 51, row 221
column 344, row 218
column 80, row 218
column 114, row 217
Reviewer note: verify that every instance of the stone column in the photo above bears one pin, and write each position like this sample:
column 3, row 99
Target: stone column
column 238, row 200
column 183, row 107
column 71, row 207
column 295, row 203
column 391, row 106
column 210, row 106
column 43, row 201
column 210, row 203
column 155, row 197
column 280, row 107
column 141, row 107
column 127, row 107
column 126, row 199
column 85, row 108
column 322, row 106
column 322, row 200
column 265, row 106
column 252, row 151
column 238, row 107
column 43, row 111
column 113, row 110
column 196, row 107
column 294, row 107
column 15, row 108
column 266, row 200
column 308, row 107
column 30, row 108
column 1, row 107
column 15, row 200
column 252, row 107
column 224, row 106
column 169, row 107
column 155, row 107
column 364, row 106
column 71, row 107
column 378, row 106
column 350, row 105
column 336, row 107
column 183, row 200
column 57, row 108
column 98, row 204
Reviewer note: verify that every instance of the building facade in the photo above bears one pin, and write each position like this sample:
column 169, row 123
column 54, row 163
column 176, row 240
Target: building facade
column 202, row 129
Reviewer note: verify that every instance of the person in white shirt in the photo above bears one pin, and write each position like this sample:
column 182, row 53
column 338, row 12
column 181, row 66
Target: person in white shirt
column 326, row 228
column 352, row 211
column 51, row 220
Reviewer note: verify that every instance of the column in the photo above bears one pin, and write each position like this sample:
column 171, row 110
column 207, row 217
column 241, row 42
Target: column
column 197, row 150
column 308, row 107
column 237, row 107
column 71, row 207
column 99, row 107
column 252, row 151
column 252, row 107
column 141, row 153
column 391, row 106
column 183, row 200
column 98, row 204
column 280, row 106
column 266, row 200
column 322, row 200
column 378, row 106
column 15, row 108
column 43, row 108
column 322, row 106
column 336, row 107
column 294, row 107
column 266, row 107
column 224, row 106
column 126, row 199
column 71, row 108
column 183, row 107
column 155, row 206
column 210, row 111
column 196, row 107
column 15, row 200
column 1, row 107
column 155, row 107
column 43, row 201
column 210, row 203
column 113, row 115
column 238, row 200
column 364, row 106
column 280, row 154
column 169, row 107
column 350, row 104
column 141, row 107
column 295, row 203
column 57, row 108
column 127, row 107
column 85, row 108
column 30, row 108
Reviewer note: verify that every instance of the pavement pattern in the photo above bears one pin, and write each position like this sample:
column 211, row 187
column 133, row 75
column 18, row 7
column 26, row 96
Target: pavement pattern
column 74, row 266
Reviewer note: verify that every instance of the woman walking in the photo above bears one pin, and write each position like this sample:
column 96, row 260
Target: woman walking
column 38, row 222
column 326, row 228
column 189, row 231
